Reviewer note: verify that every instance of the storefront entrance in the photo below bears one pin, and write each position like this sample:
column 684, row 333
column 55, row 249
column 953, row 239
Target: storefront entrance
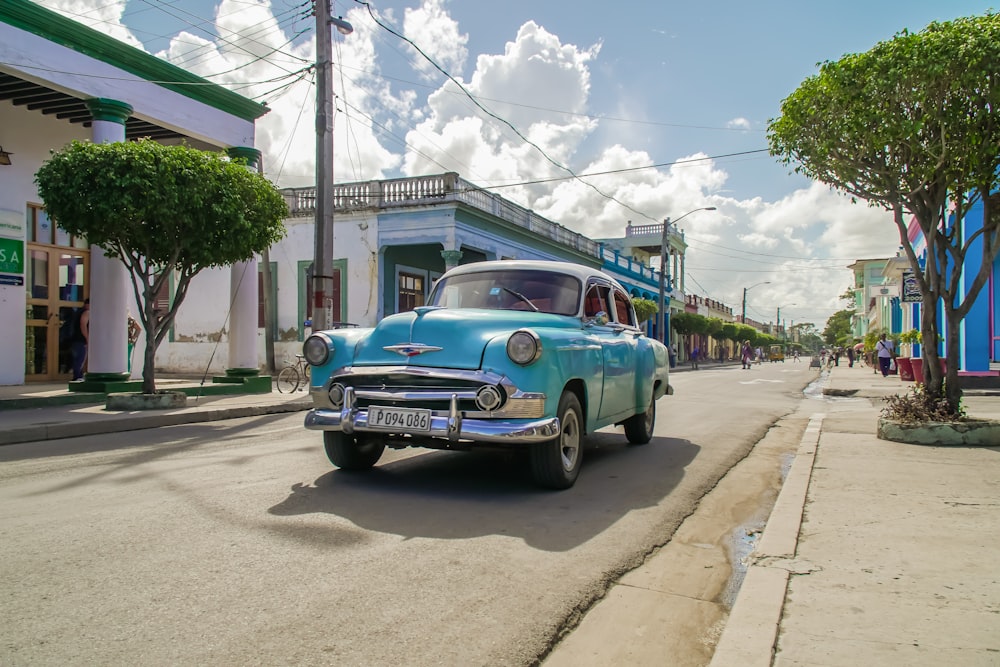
column 56, row 285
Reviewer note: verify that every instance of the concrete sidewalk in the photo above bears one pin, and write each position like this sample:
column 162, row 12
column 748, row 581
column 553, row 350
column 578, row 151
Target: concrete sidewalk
column 64, row 415
column 876, row 552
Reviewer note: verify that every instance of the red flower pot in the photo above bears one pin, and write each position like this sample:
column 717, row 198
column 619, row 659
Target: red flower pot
column 905, row 369
column 917, row 364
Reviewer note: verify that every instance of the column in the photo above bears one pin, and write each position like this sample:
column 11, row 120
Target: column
column 682, row 274
column 451, row 258
column 110, row 284
column 243, row 357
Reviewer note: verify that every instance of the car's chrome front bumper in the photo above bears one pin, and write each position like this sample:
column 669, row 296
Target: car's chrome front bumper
column 451, row 426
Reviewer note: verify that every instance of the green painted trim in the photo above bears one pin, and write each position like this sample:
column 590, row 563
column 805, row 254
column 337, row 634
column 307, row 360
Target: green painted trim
column 259, row 384
column 242, row 372
column 59, row 29
column 115, row 111
column 302, row 279
column 272, row 301
column 342, row 265
column 251, row 155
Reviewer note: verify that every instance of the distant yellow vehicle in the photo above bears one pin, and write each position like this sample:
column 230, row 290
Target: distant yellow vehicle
column 777, row 353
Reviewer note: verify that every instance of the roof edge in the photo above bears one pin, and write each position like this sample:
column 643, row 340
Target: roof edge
column 57, row 28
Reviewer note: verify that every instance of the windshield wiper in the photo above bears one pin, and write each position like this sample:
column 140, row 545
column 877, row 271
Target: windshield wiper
column 521, row 297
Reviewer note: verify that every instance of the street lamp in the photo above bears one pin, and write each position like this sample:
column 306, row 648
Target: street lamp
column 662, row 318
column 323, row 255
column 743, row 318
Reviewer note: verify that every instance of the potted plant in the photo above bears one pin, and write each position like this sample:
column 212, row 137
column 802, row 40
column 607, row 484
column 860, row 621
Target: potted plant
column 904, row 361
column 917, row 363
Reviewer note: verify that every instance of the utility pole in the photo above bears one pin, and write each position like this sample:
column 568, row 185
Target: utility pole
column 663, row 317
column 663, row 333
column 323, row 257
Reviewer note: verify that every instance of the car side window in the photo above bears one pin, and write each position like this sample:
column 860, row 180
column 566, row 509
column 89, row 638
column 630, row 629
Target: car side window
column 598, row 297
column 623, row 309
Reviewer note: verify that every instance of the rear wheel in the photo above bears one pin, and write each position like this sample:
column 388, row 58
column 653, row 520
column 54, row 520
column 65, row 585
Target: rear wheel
column 639, row 428
column 288, row 380
column 555, row 464
column 352, row 452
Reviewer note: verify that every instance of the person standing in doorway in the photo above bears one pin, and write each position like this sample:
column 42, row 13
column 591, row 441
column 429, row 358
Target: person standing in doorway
column 883, row 349
column 79, row 340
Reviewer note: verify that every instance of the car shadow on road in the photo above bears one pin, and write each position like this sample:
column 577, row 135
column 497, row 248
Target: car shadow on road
column 461, row 495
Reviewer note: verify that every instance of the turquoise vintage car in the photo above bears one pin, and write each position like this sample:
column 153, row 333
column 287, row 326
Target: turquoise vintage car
column 520, row 354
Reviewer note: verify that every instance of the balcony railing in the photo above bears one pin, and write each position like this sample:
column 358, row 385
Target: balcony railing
column 427, row 190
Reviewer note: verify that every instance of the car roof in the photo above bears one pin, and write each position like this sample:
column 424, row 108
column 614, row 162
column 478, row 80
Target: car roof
column 584, row 273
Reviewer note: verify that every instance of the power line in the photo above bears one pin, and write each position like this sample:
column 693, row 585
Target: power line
column 503, row 120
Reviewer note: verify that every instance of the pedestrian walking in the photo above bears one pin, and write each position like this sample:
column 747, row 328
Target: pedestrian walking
column 884, row 351
column 746, row 355
column 694, row 357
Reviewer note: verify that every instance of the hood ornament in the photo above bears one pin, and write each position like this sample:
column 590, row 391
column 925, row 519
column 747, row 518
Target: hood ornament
column 411, row 349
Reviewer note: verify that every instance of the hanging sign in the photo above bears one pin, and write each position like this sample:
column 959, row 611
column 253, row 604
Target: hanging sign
column 911, row 290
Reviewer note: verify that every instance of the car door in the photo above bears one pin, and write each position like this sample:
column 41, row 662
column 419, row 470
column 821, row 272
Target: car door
column 617, row 351
column 620, row 358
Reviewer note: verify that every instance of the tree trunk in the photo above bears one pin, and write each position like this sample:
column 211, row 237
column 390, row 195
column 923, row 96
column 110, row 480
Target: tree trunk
column 952, row 389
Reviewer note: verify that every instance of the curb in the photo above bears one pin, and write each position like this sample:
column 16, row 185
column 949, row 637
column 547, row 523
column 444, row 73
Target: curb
column 57, row 431
column 751, row 631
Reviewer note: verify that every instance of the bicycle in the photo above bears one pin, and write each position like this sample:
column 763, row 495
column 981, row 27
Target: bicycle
column 294, row 375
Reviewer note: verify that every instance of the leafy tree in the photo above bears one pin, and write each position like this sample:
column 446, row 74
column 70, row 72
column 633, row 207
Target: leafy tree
column 745, row 332
column 912, row 126
column 714, row 328
column 644, row 308
column 686, row 324
column 161, row 210
column 805, row 334
column 729, row 331
column 838, row 327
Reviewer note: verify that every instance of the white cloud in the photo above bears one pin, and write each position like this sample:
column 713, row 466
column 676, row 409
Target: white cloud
column 437, row 34
column 744, row 243
column 104, row 17
column 535, row 67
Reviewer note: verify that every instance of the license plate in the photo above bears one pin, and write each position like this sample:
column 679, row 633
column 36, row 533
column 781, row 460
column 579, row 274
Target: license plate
column 399, row 419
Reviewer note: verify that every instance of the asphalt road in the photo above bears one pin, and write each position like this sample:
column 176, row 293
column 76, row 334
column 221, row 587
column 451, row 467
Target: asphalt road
column 235, row 542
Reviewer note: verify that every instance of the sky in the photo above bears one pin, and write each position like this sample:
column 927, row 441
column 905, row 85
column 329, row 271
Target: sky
column 666, row 103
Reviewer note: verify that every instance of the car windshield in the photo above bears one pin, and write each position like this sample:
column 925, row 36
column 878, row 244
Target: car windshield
column 541, row 291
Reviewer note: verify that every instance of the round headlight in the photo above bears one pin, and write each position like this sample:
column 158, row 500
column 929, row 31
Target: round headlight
column 316, row 349
column 524, row 347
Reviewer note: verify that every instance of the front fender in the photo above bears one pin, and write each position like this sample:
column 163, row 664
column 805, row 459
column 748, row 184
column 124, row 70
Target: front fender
column 566, row 356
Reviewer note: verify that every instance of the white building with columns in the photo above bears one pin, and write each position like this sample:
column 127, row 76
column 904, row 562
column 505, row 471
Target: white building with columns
column 61, row 81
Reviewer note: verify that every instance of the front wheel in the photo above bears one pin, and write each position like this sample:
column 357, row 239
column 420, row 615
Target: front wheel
column 555, row 464
column 352, row 452
column 639, row 428
column 288, row 380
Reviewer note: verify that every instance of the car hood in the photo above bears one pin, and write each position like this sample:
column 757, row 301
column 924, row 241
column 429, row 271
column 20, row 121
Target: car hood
column 461, row 335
